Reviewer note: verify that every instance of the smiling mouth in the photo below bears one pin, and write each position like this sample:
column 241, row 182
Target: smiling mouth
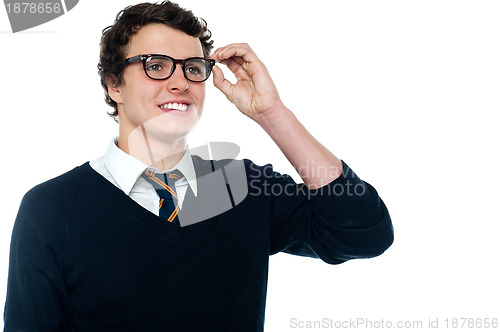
column 174, row 106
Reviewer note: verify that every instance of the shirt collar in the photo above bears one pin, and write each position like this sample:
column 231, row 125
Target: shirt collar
column 126, row 169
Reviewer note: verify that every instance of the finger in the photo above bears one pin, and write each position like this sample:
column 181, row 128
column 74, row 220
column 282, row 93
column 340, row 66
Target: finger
column 241, row 54
column 246, row 58
column 239, row 70
column 215, row 53
column 236, row 59
column 221, row 83
column 235, row 50
column 236, row 67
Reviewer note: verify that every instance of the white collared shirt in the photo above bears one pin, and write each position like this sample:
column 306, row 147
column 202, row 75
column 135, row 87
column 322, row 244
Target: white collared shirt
column 124, row 171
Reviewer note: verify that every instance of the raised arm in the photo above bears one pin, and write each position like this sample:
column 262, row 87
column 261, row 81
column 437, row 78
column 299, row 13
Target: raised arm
column 256, row 96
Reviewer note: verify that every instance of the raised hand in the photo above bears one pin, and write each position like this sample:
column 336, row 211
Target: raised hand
column 254, row 92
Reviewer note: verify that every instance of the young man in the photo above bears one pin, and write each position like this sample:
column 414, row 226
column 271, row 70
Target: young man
column 115, row 245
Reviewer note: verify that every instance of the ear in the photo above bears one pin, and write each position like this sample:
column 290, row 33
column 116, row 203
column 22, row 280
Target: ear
column 114, row 90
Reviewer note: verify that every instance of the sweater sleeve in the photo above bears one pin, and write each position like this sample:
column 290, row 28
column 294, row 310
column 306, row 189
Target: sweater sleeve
column 342, row 220
column 37, row 299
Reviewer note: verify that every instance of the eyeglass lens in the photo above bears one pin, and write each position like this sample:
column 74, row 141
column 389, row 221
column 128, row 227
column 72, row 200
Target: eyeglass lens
column 196, row 70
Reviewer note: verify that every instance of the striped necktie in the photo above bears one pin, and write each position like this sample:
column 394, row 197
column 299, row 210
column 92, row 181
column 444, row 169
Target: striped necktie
column 165, row 188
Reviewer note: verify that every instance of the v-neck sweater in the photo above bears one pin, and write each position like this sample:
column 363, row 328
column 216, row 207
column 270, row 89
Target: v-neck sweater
column 86, row 257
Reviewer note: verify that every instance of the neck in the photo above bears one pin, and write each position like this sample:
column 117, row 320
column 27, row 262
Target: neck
column 151, row 150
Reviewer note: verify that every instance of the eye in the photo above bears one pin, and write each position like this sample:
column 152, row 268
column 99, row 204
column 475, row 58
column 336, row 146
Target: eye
column 193, row 70
column 154, row 67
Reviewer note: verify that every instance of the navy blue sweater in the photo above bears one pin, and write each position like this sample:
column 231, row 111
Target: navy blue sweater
column 86, row 257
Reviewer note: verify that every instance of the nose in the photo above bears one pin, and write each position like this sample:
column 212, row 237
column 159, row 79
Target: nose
column 177, row 82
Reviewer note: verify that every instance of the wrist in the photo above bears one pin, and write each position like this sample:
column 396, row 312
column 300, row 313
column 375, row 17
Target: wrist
column 273, row 118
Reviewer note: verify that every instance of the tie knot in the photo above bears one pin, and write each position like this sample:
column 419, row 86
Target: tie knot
column 162, row 179
column 175, row 175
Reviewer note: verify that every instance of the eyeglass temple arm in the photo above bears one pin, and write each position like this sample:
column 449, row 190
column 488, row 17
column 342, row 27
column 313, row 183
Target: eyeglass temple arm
column 133, row 59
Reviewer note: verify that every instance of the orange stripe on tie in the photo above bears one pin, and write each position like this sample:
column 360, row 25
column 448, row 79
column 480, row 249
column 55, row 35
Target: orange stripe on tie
column 174, row 214
column 164, row 186
column 174, row 176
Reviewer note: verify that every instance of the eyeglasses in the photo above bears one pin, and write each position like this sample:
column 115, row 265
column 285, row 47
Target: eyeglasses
column 161, row 67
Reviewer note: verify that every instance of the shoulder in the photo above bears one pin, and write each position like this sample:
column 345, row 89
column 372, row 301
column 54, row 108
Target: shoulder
column 60, row 190
column 47, row 209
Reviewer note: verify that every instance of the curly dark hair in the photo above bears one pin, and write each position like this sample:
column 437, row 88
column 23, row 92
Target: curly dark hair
column 115, row 38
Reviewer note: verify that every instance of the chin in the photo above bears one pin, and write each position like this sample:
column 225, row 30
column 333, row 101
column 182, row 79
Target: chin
column 169, row 133
column 165, row 126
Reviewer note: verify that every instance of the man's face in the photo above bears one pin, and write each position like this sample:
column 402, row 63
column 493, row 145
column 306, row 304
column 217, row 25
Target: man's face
column 142, row 100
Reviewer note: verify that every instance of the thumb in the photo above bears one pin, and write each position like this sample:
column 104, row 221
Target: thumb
column 221, row 83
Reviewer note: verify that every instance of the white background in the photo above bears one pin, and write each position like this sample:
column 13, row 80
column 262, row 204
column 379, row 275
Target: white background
column 406, row 92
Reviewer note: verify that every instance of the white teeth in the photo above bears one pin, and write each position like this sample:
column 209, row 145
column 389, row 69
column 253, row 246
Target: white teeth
column 174, row 106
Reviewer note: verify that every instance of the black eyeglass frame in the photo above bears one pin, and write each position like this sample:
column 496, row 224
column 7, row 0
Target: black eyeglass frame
column 145, row 57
